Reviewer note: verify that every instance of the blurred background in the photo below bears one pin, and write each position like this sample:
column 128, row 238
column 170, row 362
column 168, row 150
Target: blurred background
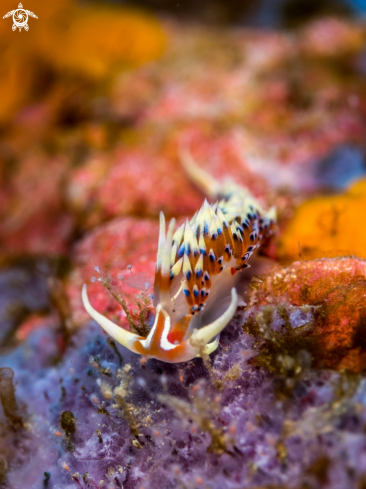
column 264, row 13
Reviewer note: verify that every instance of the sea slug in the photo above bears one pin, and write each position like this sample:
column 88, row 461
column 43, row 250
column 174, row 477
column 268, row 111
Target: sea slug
column 194, row 293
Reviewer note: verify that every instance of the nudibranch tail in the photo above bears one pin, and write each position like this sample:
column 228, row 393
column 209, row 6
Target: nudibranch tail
column 200, row 177
column 196, row 272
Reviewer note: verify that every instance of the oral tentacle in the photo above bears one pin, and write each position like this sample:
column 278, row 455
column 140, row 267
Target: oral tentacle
column 122, row 336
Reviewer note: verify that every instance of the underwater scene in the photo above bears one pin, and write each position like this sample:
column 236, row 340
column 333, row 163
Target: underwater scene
column 183, row 244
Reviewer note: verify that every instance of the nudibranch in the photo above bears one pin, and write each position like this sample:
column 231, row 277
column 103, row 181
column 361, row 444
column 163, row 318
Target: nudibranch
column 194, row 289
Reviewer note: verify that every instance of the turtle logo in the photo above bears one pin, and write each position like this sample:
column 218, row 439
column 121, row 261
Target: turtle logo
column 20, row 17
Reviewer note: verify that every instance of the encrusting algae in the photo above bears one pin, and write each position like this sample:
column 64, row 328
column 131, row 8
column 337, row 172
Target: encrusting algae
column 194, row 290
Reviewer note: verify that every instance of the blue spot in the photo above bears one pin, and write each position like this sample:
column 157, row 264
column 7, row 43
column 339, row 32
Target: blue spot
column 186, row 292
column 196, row 293
column 188, row 275
column 181, row 250
column 198, row 273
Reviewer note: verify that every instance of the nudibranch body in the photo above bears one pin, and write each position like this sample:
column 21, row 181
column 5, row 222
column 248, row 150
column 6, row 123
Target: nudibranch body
column 194, row 293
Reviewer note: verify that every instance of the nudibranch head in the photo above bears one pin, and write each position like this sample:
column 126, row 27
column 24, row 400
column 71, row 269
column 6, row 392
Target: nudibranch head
column 194, row 293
